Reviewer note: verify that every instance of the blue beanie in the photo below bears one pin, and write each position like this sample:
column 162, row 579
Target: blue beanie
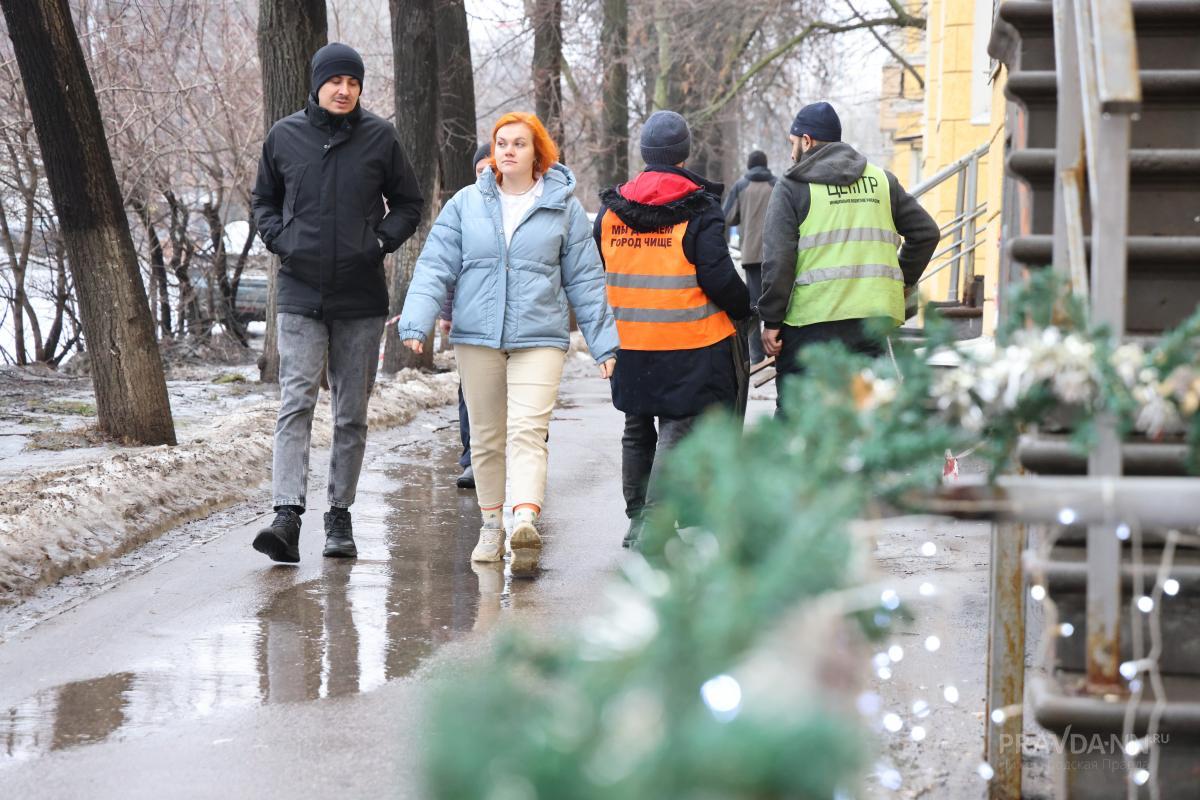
column 336, row 59
column 666, row 139
column 819, row 121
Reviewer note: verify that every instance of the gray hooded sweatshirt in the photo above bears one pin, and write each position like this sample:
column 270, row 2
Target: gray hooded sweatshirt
column 836, row 164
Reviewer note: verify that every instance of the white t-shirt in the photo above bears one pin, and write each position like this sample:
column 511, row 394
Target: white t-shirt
column 514, row 206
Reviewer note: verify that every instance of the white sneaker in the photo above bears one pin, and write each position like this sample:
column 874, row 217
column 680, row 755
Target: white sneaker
column 526, row 544
column 490, row 546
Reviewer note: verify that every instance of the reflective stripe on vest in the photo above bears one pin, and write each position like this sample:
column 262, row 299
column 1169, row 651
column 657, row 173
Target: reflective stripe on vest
column 846, row 264
column 653, row 291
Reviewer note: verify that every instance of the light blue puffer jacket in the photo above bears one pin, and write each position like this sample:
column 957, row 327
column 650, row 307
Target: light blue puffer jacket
column 515, row 297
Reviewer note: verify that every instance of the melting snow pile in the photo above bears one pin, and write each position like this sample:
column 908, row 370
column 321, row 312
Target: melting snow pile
column 63, row 521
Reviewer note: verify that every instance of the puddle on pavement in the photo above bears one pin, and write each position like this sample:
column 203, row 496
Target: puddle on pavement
column 358, row 625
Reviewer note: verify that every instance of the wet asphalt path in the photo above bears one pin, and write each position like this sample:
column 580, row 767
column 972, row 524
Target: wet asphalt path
column 218, row 674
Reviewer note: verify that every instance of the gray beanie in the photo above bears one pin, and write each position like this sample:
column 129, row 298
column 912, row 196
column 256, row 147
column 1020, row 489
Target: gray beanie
column 666, row 139
column 336, row 59
column 483, row 151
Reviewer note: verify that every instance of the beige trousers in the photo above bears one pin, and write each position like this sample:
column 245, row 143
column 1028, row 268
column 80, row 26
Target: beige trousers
column 510, row 395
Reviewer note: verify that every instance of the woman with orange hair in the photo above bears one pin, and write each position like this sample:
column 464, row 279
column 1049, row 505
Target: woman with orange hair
column 517, row 248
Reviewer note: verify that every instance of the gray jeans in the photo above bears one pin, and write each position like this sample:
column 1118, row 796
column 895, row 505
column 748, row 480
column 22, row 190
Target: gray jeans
column 351, row 347
column 642, row 452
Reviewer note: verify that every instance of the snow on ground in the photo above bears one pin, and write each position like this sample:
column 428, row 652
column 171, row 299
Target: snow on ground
column 70, row 501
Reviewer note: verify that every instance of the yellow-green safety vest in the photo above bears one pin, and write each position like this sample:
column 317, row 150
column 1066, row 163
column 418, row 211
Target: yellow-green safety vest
column 846, row 264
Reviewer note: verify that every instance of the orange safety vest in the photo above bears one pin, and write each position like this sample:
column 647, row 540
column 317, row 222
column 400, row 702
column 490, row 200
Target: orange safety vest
column 653, row 291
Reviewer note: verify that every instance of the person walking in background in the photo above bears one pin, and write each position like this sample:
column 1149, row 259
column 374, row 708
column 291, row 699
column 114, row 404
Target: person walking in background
column 318, row 203
column 466, row 480
column 746, row 207
column 674, row 290
column 830, row 268
column 515, row 248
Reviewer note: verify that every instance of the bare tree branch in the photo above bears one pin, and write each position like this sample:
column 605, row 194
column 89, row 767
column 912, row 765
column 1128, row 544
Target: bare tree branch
column 904, row 62
column 812, row 29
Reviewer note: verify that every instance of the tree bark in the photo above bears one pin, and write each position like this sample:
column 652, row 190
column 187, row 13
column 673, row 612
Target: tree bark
column 131, row 391
column 614, row 55
column 547, row 65
column 289, row 32
column 414, row 51
column 456, row 97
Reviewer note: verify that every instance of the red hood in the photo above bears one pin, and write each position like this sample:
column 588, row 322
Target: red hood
column 658, row 188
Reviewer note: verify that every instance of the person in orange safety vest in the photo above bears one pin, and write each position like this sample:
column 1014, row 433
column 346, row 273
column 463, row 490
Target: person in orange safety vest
column 676, row 296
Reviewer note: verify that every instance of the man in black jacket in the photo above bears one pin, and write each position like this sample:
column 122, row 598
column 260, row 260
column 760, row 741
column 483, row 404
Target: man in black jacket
column 675, row 295
column 319, row 205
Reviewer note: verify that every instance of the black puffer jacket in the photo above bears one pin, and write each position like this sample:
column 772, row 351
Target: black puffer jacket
column 318, row 204
column 679, row 383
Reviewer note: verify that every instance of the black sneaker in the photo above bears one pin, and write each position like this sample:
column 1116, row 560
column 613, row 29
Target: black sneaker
column 280, row 540
column 467, row 479
column 339, row 534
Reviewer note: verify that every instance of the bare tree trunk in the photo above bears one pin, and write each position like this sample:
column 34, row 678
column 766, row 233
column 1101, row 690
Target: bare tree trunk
column 289, row 32
column 17, row 302
column 456, row 97
column 131, row 391
column 414, row 53
column 158, row 267
column 181, row 259
column 219, row 289
column 62, row 296
column 547, row 65
column 614, row 55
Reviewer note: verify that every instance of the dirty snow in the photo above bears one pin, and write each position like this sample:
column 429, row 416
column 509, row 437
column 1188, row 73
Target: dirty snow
column 64, row 511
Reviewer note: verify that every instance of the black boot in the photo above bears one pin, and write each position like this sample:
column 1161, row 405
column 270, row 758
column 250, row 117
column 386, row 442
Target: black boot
column 281, row 539
column 633, row 534
column 339, row 534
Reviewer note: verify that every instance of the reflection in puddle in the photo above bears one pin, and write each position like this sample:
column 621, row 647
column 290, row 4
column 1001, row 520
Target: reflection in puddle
column 359, row 624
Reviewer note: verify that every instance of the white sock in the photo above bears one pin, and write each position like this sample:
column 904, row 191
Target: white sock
column 525, row 515
column 493, row 518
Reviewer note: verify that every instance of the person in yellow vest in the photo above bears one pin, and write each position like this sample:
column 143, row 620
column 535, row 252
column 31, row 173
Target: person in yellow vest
column 675, row 294
column 830, row 266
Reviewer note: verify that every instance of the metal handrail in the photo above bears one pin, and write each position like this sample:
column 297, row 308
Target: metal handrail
column 968, row 208
column 949, row 171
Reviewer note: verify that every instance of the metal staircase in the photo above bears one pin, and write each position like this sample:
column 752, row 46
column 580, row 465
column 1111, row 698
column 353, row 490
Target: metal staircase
column 1104, row 137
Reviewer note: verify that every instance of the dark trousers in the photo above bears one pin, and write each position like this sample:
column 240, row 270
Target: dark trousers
column 754, row 324
column 642, row 452
column 850, row 332
column 464, row 431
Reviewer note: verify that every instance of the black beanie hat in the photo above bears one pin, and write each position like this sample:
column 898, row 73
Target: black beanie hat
column 819, row 121
column 483, row 151
column 757, row 159
column 333, row 59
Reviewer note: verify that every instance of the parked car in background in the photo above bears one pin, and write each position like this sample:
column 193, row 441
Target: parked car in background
column 250, row 304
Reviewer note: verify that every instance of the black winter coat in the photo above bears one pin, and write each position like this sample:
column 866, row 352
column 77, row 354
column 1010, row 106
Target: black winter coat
column 679, row 383
column 318, row 204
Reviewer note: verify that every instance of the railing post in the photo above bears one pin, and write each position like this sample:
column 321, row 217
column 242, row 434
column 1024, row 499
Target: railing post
column 1006, row 659
column 1107, row 128
column 972, row 191
column 1068, row 143
column 960, row 188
